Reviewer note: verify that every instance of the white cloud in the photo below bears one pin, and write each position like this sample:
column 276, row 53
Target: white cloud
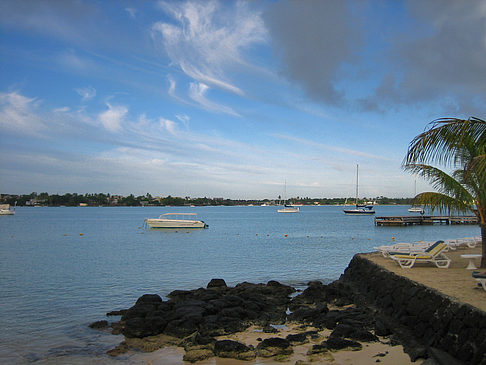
column 86, row 93
column 112, row 118
column 332, row 148
column 70, row 59
column 168, row 125
column 207, row 40
column 64, row 109
column 19, row 113
column 197, row 92
column 184, row 119
column 132, row 12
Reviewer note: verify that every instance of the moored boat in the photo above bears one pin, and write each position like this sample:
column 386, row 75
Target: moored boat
column 5, row 209
column 176, row 220
column 359, row 209
column 288, row 209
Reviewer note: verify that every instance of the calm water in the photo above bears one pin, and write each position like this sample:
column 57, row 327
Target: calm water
column 63, row 268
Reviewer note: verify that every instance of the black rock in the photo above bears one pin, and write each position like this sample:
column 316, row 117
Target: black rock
column 216, row 283
column 298, row 338
column 225, row 346
column 338, row 343
column 274, row 342
column 99, row 325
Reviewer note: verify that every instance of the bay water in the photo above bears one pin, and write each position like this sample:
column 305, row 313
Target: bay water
column 62, row 268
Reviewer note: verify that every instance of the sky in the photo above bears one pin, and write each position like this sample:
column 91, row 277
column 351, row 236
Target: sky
column 234, row 99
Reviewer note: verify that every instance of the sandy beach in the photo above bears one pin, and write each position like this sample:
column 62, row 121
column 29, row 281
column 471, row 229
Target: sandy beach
column 368, row 355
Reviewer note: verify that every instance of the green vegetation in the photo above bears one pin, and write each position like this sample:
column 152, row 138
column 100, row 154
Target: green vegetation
column 459, row 145
column 100, row 199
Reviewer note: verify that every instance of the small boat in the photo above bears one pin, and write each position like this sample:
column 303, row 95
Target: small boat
column 176, row 220
column 359, row 209
column 414, row 208
column 5, row 209
column 287, row 208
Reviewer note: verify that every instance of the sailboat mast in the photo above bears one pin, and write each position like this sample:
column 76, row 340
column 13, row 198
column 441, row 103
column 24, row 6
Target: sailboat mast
column 357, row 184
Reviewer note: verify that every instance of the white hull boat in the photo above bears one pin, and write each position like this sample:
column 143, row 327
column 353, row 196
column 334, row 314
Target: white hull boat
column 176, row 220
column 5, row 209
column 359, row 209
column 289, row 210
column 416, row 210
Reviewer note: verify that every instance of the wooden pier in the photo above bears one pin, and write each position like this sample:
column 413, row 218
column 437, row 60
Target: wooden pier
column 423, row 220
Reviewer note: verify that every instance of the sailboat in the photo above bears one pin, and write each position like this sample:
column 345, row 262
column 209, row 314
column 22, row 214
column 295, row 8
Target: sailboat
column 414, row 208
column 287, row 208
column 359, row 209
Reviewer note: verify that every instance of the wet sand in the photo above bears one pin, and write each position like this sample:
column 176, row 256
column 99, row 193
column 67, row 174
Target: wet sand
column 369, row 354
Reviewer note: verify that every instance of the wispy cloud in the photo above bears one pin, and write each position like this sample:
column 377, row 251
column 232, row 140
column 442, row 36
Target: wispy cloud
column 168, row 125
column 132, row 12
column 72, row 60
column 112, row 118
column 206, row 43
column 86, row 93
column 19, row 114
column 198, row 91
column 331, row 148
column 209, row 38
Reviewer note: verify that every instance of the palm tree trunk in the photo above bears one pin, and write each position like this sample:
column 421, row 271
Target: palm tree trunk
column 483, row 239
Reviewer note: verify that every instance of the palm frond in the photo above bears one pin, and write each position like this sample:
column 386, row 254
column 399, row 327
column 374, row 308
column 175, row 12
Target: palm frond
column 478, row 166
column 442, row 202
column 442, row 182
column 448, row 141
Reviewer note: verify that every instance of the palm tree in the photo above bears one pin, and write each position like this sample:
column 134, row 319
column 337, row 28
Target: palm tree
column 459, row 145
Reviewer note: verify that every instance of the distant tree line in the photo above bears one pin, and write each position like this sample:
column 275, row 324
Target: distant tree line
column 101, row 199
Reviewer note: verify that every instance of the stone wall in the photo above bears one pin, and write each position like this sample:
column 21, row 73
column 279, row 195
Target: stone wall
column 435, row 319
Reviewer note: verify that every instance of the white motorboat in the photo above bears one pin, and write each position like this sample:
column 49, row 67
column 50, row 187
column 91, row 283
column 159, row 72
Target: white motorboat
column 359, row 209
column 176, row 220
column 288, row 209
column 5, row 209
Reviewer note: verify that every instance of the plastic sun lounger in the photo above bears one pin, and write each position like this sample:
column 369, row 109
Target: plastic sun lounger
column 433, row 255
column 403, row 248
column 480, row 278
column 407, row 248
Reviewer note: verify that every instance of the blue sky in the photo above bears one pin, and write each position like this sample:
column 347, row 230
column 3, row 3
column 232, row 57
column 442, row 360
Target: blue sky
column 230, row 98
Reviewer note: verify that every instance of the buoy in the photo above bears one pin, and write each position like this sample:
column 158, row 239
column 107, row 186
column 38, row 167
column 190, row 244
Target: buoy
column 81, row 234
column 286, row 235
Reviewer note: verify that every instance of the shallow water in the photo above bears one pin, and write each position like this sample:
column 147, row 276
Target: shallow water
column 63, row 268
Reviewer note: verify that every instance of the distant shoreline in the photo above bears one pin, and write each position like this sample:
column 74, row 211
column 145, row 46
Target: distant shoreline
column 97, row 199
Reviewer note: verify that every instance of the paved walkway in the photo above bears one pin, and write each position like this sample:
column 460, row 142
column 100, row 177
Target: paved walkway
column 456, row 281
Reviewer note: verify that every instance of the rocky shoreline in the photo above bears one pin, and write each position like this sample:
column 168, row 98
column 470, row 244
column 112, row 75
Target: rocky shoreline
column 329, row 318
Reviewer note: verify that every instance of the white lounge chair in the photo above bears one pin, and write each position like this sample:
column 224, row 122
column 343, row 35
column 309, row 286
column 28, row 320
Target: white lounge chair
column 403, row 248
column 434, row 254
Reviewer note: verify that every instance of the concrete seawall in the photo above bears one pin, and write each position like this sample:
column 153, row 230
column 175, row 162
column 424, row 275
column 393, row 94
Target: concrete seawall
column 436, row 320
